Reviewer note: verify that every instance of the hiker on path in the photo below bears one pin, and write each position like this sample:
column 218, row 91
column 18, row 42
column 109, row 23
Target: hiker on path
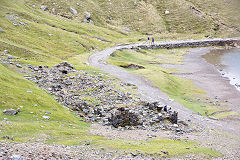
column 152, row 41
column 148, row 39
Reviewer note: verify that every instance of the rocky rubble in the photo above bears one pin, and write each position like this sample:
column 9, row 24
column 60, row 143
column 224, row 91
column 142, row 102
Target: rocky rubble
column 27, row 151
column 97, row 100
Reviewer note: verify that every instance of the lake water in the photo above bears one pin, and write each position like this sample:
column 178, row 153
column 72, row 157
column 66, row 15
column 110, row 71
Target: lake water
column 228, row 63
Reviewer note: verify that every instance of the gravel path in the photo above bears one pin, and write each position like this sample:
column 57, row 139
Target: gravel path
column 151, row 93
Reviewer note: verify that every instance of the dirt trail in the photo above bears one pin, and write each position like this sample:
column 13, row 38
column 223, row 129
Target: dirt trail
column 151, row 93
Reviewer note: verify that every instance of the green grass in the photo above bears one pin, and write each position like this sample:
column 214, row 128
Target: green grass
column 155, row 146
column 179, row 89
column 48, row 39
column 150, row 17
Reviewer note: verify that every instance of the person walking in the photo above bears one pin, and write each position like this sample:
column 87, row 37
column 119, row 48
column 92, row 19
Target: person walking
column 153, row 41
column 148, row 39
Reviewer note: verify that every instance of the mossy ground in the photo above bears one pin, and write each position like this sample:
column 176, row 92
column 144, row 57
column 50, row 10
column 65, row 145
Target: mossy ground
column 179, row 89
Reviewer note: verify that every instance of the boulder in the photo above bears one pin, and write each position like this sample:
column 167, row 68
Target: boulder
column 123, row 117
column 73, row 11
column 1, row 30
column 11, row 112
column 173, row 118
column 64, row 67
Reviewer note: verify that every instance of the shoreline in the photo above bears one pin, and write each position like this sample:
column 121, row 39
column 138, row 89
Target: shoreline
column 209, row 78
column 223, row 68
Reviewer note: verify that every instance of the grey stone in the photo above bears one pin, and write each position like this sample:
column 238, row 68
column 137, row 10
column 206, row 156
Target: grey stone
column 46, row 117
column 1, row 30
column 47, row 112
column 53, row 11
column 16, row 157
column 44, row 8
column 73, row 11
column 10, row 57
column 91, row 22
column 11, row 112
column 18, row 65
column 88, row 16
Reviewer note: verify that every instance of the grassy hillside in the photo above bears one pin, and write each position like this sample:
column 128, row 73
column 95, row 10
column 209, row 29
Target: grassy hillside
column 43, row 38
column 185, row 16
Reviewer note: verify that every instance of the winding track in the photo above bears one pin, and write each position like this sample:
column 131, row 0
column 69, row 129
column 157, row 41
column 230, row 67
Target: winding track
column 151, row 93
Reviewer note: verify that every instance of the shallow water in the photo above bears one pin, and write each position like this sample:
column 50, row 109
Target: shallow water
column 228, row 63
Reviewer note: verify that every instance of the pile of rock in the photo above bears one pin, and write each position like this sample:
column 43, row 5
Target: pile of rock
column 147, row 116
column 97, row 100
column 15, row 20
column 78, row 89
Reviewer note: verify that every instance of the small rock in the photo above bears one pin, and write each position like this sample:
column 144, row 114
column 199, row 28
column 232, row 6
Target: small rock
column 44, row 8
column 11, row 112
column 165, row 152
column 10, row 57
column 133, row 154
column 18, row 65
column 88, row 16
column 29, row 91
column 91, row 22
column 73, row 11
column 46, row 112
column 175, row 125
column 167, row 12
column 16, row 157
column 46, row 117
column 1, row 30
column 53, row 11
